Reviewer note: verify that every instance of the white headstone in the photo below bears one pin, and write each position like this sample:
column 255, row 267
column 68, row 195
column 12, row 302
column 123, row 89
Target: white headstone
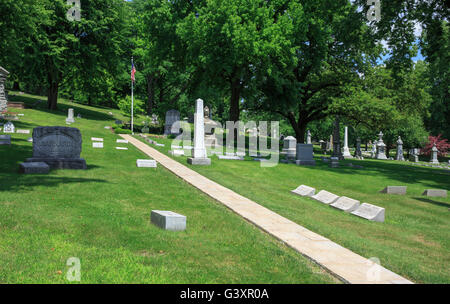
column 176, row 152
column 121, row 148
column 304, row 190
column 230, row 157
column 370, row 212
column 394, row 190
column 435, row 192
column 97, row 145
column 325, row 197
column 168, row 220
column 70, row 118
column 346, row 204
column 122, row 141
column 9, row 127
column 96, row 139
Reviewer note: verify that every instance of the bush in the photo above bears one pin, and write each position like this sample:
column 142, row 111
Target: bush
column 441, row 144
column 119, row 130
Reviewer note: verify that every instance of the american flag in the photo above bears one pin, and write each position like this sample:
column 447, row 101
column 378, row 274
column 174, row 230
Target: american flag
column 133, row 70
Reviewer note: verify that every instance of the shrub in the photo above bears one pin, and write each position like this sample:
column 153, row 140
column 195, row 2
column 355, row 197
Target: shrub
column 441, row 144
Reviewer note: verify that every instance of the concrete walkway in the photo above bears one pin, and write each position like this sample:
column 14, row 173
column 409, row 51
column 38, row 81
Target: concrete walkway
column 343, row 263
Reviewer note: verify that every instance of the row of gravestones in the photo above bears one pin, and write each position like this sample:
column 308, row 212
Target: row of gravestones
column 401, row 190
column 364, row 210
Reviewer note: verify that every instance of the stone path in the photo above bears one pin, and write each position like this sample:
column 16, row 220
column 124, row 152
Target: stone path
column 341, row 262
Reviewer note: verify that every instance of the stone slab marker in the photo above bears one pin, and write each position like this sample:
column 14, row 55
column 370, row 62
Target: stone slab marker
column 122, row 141
column 5, row 139
column 168, row 220
column 177, row 152
column 325, row 197
column 304, row 190
column 34, row 168
column 146, row 163
column 97, row 145
column 3, row 101
column 370, row 212
column 199, row 152
column 394, row 190
column 435, row 193
column 230, row 157
column 346, row 204
column 58, row 147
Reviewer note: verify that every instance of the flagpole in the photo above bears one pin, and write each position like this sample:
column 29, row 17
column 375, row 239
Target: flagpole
column 132, row 100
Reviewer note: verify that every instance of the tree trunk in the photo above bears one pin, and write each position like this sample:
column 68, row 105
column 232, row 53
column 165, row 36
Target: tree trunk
column 52, row 95
column 16, row 86
column 150, row 94
column 300, row 131
column 234, row 101
column 89, row 100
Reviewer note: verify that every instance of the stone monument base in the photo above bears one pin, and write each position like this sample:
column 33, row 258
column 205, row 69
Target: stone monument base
column 61, row 163
column 34, row 168
column 305, row 162
column 199, row 161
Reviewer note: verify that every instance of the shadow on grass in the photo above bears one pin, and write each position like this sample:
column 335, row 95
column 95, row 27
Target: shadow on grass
column 429, row 177
column 32, row 103
column 427, row 200
column 20, row 182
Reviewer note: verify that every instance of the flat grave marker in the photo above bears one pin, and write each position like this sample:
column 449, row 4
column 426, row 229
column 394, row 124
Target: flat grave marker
column 97, row 145
column 325, row 197
column 401, row 190
column 435, row 193
column 20, row 131
column 121, row 148
column 146, row 163
column 122, row 141
column 370, row 212
column 96, row 139
column 346, row 204
column 304, row 190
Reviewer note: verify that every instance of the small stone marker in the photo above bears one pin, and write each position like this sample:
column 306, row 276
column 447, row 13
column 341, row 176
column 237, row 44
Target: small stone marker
column 23, row 131
column 435, row 192
column 96, row 139
column 97, row 145
column 241, row 154
column 394, row 190
column 30, row 139
column 9, row 127
column 230, row 157
column 168, row 220
column 304, row 190
column 370, row 212
column 34, row 168
column 160, row 145
column 176, row 147
column 146, row 163
column 121, row 148
column 70, row 118
column 346, row 204
column 177, row 152
column 122, row 141
column 107, row 127
column 5, row 139
column 325, row 197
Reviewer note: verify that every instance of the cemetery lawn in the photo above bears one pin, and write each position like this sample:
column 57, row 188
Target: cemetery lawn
column 102, row 216
column 414, row 240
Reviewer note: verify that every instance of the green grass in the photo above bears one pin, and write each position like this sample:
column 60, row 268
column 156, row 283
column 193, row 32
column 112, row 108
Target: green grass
column 414, row 240
column 102, row 216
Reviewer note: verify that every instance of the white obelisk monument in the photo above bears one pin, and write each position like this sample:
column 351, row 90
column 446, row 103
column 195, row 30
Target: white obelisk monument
column 346, row 153
column 199, row 152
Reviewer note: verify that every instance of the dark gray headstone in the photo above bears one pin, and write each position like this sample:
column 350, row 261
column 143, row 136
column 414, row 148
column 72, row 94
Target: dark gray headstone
column 5, row 139
column 59, row 147
column 305, row 155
